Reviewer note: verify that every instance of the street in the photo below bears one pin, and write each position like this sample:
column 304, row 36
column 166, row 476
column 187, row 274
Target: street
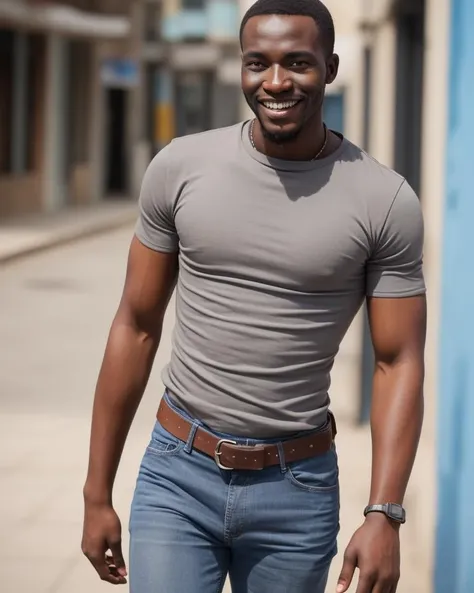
column 55, row 313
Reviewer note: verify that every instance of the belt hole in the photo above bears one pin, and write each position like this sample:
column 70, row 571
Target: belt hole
column 311, row 446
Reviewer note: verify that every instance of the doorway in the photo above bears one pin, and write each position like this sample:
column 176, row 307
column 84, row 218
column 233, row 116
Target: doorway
column 409, row 16
column 193, row 102
column 410, row 25
column 334, row 111
column 116, row 108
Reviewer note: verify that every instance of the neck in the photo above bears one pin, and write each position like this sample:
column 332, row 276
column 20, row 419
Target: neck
column 303, row 148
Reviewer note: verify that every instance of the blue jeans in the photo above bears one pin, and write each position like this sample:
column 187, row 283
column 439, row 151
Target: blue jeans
column 192, row 524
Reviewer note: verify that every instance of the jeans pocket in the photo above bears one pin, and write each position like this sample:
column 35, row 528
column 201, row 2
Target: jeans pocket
column 317, row 474
column 163, row 442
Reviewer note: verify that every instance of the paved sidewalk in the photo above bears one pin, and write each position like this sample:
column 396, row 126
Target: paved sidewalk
column 31, row 234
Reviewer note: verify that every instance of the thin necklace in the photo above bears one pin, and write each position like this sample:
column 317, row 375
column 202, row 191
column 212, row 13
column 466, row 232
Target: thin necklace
column 326, row 135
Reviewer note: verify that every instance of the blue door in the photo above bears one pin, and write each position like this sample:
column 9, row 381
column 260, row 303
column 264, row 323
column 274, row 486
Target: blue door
column 334, row 112
column 454, row 572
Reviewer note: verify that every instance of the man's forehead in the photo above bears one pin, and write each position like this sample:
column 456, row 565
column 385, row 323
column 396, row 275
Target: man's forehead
column 277, row 28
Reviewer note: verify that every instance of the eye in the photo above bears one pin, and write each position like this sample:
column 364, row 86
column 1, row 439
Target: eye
column 299, row 64
column 255, row 65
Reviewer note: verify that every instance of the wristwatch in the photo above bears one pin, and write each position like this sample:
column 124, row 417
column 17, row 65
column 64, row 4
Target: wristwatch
column 393, row 511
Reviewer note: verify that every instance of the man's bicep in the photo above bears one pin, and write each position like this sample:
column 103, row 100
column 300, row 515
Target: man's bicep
column 149, row 283
column 398, row 328
column 155, row 226
column 395, row 266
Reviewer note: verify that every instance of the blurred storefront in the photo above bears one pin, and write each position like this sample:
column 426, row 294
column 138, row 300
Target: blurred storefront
column 53, row 132
column 192, row 67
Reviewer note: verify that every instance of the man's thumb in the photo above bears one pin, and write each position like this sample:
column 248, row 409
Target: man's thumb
column 119, row 562
column 347, row 573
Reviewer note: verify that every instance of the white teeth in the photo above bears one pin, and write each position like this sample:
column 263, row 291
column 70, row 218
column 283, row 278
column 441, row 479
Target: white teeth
column 279, row 106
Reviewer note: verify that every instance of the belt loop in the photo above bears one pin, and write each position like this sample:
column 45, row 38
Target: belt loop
column 333, row 425
column 281, row 454
column 192, row 433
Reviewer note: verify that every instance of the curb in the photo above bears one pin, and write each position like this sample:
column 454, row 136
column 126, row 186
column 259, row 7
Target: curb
column 70, row 235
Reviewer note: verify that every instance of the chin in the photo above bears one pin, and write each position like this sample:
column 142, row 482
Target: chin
column 280, row 133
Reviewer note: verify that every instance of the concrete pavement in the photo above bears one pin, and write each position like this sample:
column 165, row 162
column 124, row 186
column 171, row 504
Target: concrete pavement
column 26, row 235
column 55, row 312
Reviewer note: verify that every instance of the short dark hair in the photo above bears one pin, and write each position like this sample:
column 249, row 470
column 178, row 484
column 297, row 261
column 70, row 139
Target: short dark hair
column 312, row 8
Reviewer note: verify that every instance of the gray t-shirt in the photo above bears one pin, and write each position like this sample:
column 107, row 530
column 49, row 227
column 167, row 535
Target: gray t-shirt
column 275, row 259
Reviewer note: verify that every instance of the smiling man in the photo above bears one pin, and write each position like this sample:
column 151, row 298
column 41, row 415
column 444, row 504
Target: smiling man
column 274, row 232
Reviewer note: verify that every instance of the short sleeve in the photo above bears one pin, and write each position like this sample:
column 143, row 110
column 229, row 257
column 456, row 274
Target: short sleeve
column 395, row 267
column 155, row 226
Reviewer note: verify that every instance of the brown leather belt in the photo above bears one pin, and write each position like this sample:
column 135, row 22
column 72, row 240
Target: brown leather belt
column 229, row 455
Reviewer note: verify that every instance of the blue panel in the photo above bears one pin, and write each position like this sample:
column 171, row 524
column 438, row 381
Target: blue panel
column 334, row 112
column 185, row 24
column 224, row 19
column 454, row 572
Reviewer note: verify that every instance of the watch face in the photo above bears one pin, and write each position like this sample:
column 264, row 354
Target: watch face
column 396, row 512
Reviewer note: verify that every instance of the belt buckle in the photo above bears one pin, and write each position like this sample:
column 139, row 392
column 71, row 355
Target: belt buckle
column 218, row 453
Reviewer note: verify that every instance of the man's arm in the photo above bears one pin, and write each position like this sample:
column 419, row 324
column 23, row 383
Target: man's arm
column 398, row 328
column 132, row 344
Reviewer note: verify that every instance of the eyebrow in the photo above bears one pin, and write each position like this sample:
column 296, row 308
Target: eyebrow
column 289, row 56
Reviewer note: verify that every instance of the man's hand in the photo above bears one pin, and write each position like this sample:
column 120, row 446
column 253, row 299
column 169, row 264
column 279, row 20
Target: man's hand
column 375, row 551
column 103, row 532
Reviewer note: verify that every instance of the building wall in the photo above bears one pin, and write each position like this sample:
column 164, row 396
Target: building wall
column 455, row 536
column 54, row 97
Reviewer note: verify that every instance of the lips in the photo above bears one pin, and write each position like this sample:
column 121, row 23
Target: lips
column 279, row 109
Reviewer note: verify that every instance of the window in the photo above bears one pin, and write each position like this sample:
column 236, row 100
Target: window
column 20, row 62
column 334, row 112
column 80, row 97
column 6, row 99
column 193, row 102
column 193, row 4
column 152, row 21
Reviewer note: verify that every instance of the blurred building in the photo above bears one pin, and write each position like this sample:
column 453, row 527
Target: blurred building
column 61, row 136
column 192, row 67
column 417, row 87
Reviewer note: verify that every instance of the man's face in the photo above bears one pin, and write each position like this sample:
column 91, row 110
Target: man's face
column 285, row 70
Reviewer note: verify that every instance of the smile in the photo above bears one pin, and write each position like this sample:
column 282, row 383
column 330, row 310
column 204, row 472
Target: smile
column 274, row 106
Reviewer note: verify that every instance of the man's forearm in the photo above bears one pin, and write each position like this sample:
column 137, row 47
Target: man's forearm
column 122, row 380
column 396, row 422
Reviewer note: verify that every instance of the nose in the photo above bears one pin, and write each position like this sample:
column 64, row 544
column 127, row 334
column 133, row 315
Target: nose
column 277, row 80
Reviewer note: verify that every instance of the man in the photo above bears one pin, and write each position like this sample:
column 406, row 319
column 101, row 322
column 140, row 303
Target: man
column 280, row 229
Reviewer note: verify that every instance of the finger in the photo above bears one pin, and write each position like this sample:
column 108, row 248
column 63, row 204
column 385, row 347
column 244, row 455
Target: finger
column 347, row 572
column 387, row 583
column 119, row 562
column 366, row 583
column 104, row 572
column 382, row 586
column 385, row 586
column 113, row 569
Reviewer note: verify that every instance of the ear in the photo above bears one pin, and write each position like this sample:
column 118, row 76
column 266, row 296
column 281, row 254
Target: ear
column 332, row 68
